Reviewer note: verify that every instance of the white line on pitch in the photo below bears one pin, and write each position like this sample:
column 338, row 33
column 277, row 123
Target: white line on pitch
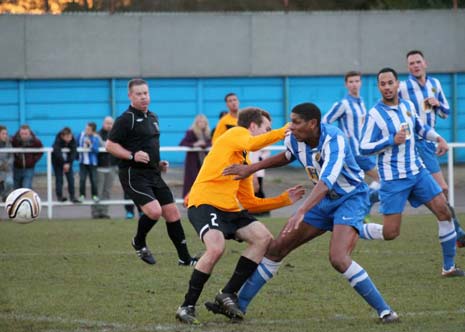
column 112, row 326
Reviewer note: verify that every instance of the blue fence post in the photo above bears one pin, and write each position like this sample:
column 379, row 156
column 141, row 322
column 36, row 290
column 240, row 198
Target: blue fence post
column 286, row 96
column 199, row 96
column 21, row 102
column 113, row 98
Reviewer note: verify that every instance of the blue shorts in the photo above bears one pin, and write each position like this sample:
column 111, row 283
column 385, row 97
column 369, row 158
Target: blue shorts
column 366, row 163
column 427, row 151
column 418, row 190
column 348, row 210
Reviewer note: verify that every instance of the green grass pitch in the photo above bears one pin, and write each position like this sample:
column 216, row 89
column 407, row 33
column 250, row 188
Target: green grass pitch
column 83, row 275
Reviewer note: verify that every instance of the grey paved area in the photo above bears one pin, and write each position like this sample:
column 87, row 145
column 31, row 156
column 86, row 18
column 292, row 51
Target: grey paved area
column 276, row 181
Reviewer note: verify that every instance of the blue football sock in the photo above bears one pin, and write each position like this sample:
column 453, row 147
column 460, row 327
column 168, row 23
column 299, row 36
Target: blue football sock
column 447, row 238
column 264, row 272
column 361, row 282
column 458, row 229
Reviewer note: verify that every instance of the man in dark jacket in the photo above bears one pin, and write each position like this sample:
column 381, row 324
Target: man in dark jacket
column 63, row 163
column 25, row 162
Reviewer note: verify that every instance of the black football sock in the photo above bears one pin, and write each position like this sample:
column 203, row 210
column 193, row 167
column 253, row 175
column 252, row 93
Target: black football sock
column 176, row 234
column 198, row 280
column 244, row 269
column 144, row 226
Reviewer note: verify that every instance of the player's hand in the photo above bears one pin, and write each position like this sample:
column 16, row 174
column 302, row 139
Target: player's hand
column 241, row 171
column 141, row 157
column 442, row 147
column 294, row 222
column 400, row 137
column 288, row 129
column 66, row 168
column 432, row 101
column 164, row 165
column 296, row 193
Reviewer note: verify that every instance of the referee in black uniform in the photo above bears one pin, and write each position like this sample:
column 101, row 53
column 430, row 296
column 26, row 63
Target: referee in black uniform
column 135, row 139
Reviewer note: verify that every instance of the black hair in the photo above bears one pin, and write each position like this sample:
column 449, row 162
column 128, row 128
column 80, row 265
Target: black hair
column 307, row 111
column 387, row 70
column 412, row 52
column 229, row 95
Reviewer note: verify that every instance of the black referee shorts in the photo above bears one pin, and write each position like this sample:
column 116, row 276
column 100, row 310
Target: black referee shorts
column 145, row 185
column 206, row 217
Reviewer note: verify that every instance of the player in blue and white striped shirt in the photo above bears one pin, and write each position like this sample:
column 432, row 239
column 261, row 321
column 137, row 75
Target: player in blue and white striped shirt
column 425, row 92
column 337, row 203
column 390, row 131
column 350, row 114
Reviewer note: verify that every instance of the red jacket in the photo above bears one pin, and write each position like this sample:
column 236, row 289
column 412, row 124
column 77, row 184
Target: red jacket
column 26, row 160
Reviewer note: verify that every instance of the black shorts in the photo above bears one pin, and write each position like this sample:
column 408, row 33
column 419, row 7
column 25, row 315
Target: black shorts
column 144, row 186
column 205, row 217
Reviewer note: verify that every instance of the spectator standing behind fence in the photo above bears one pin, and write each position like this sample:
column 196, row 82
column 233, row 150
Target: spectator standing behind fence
column 198, row 136
column 62, row 162
column 229, row 120
column 6, row 165
column 24, row 163
column 89, row 140
column 106, row 172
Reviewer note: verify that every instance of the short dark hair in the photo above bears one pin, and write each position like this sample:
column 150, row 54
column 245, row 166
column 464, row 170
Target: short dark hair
column 92, row 126
column 412, row 52
column 229, row 95
column 307, row 111
column 136, row 82
column 252, row 114
column 66, row 131
column 386, row 70
column 351, row 74
column 3, row 128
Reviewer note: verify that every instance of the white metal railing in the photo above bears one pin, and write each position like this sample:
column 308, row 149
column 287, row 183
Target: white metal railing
column 450, row 170
column 49, row 203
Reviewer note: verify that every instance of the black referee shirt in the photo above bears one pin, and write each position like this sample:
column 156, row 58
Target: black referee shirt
column 135, row 130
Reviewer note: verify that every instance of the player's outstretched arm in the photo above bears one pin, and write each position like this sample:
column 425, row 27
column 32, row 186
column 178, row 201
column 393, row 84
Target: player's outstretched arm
column 295, row 193
column 243, row 171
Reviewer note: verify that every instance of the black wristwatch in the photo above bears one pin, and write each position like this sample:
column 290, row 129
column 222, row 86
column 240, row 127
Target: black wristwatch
column 131, row 156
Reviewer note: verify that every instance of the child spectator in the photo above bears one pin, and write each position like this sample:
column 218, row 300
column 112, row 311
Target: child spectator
column 88, row 140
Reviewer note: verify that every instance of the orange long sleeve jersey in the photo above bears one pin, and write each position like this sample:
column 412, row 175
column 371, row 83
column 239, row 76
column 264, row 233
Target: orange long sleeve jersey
column 225, row 123
column 223, row 192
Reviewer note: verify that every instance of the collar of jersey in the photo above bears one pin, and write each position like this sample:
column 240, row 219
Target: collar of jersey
column 139, row 112
column 352, row 98
column 413, row 78
column 390, row 108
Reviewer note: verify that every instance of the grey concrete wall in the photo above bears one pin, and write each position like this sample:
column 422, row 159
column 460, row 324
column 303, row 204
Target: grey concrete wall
column 238, row 44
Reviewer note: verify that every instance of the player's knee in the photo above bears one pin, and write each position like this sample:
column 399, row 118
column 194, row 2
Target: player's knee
column 339, row 261
column 276, row 252
column 445, row 191
column 213, row 254
column 390, row 234
column 264, row 240
column 153, row 214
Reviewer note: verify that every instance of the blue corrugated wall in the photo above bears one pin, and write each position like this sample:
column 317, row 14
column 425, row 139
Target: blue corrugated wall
column 49, row 105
